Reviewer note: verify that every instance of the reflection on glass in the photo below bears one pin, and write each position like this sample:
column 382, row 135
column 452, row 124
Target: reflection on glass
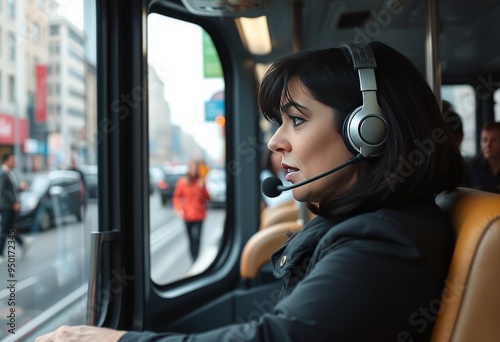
column 47, row 120
column 186, row 125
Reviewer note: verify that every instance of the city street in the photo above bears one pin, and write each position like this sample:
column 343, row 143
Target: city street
column 56, row 266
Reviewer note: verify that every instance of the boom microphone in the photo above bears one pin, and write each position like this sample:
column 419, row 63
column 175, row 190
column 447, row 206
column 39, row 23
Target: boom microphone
column 273, row 187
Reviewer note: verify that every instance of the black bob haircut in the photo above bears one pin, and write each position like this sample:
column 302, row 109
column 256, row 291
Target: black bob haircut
column 419, row 160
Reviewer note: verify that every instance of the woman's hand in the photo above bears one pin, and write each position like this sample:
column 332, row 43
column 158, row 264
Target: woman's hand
column 81, row 333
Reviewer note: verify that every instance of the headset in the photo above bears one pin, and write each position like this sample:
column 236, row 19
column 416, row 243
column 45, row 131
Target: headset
column 365, row 129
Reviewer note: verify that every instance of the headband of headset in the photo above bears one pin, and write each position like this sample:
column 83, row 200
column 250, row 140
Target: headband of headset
column 365, row 129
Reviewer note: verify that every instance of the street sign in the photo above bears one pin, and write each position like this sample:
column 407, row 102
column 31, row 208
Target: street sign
column 213, row 108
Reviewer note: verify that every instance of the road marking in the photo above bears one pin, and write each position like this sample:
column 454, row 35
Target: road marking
column 54, row 312
column 166, row 265
column 20, row 286
column 168, row 228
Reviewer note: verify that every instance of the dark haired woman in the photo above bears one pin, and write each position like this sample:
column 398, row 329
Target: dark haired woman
column 372, row 265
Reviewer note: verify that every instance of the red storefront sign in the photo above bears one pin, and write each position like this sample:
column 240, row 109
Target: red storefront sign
column 7, row 133
column 41, row 94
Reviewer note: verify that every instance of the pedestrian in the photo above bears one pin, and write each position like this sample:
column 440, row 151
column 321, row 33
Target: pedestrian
column 9, row 207
column 190, row 203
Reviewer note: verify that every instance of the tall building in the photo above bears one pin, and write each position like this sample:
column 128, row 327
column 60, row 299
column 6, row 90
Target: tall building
column 160, row 125
column 35, row 40
column 66, row 91
column 42, row 84
column 13, row 118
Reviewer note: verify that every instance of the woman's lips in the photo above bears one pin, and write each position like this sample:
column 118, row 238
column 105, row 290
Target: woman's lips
column 290, row 171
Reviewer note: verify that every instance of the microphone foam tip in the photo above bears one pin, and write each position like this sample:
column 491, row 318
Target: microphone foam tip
column 270, row 187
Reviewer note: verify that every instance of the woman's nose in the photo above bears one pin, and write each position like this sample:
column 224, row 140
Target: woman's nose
column 278, row 142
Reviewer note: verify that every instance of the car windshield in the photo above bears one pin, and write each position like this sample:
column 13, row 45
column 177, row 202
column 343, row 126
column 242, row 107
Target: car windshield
column 156, row 172
column 39, row 184
column 217, row 176
column 90, row 177
column 88, row 169
column 177, row 170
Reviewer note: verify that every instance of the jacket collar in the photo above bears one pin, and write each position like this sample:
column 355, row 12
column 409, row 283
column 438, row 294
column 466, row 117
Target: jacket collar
column 298, row 249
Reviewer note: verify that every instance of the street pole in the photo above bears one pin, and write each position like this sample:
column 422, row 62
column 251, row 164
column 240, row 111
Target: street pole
column 20, row 81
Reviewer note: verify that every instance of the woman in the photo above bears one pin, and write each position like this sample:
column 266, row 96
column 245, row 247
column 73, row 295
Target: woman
column 369, row 265
column 190, row 204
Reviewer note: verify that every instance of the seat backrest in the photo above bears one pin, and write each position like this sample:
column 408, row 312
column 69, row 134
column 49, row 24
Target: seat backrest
column 259, row 248
column 470, row 302
column 283, row 213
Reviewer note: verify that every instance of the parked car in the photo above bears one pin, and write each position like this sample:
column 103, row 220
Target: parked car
column 156, row 175
column 167, row 185
column 50, row 196
column 216, row 186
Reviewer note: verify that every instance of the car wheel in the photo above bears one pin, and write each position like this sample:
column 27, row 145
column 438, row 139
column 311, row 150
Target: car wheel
column 44, row 220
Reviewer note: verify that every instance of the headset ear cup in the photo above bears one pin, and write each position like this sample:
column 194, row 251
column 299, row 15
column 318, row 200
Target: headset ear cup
column 364, row 133
column 346, row 132
column 365, row 130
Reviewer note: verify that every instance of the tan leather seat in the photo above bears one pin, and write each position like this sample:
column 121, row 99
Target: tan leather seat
column 283, row 213
column 261, row 245
column 470, row 303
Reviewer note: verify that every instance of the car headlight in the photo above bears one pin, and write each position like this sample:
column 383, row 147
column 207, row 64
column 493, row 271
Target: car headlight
column 29, row 203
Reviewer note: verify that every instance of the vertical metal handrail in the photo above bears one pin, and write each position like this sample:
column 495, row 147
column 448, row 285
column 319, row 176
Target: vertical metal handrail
column 432, row 55
column 97, row 239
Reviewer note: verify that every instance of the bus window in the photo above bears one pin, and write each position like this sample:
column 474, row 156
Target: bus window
column 496, row 99
column 48, row 121
column 463, row 99
column 186, row 125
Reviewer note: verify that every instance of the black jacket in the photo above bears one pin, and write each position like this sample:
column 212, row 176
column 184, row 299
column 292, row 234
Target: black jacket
column 8, row 190
column 480, row 176
column 374, row 277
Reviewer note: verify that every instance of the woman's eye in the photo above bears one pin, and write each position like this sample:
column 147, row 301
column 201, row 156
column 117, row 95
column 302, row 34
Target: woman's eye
column 297, row 121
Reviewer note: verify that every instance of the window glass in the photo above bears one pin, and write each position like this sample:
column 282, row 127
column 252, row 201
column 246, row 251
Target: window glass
column 463, row 101
column 12, row 46
column 496, row 98
column 45, row 280
column 11, row 6
column 186, row 126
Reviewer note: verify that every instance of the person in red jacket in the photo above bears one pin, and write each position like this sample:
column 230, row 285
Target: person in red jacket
column 190, row 203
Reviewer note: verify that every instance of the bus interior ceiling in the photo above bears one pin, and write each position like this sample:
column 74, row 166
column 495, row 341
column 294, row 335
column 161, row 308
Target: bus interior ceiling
column 467, row 30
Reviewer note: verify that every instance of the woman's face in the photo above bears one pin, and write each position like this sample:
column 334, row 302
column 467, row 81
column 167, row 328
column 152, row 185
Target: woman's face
column 310, row 145
column 193, row 170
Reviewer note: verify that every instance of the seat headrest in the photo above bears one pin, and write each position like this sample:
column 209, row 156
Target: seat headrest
column 262, row 245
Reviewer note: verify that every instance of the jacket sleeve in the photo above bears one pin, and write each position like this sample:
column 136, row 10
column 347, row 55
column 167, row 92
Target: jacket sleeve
column 360, row 290
column 6, row 187
column 177, row 198
column 205, row 194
